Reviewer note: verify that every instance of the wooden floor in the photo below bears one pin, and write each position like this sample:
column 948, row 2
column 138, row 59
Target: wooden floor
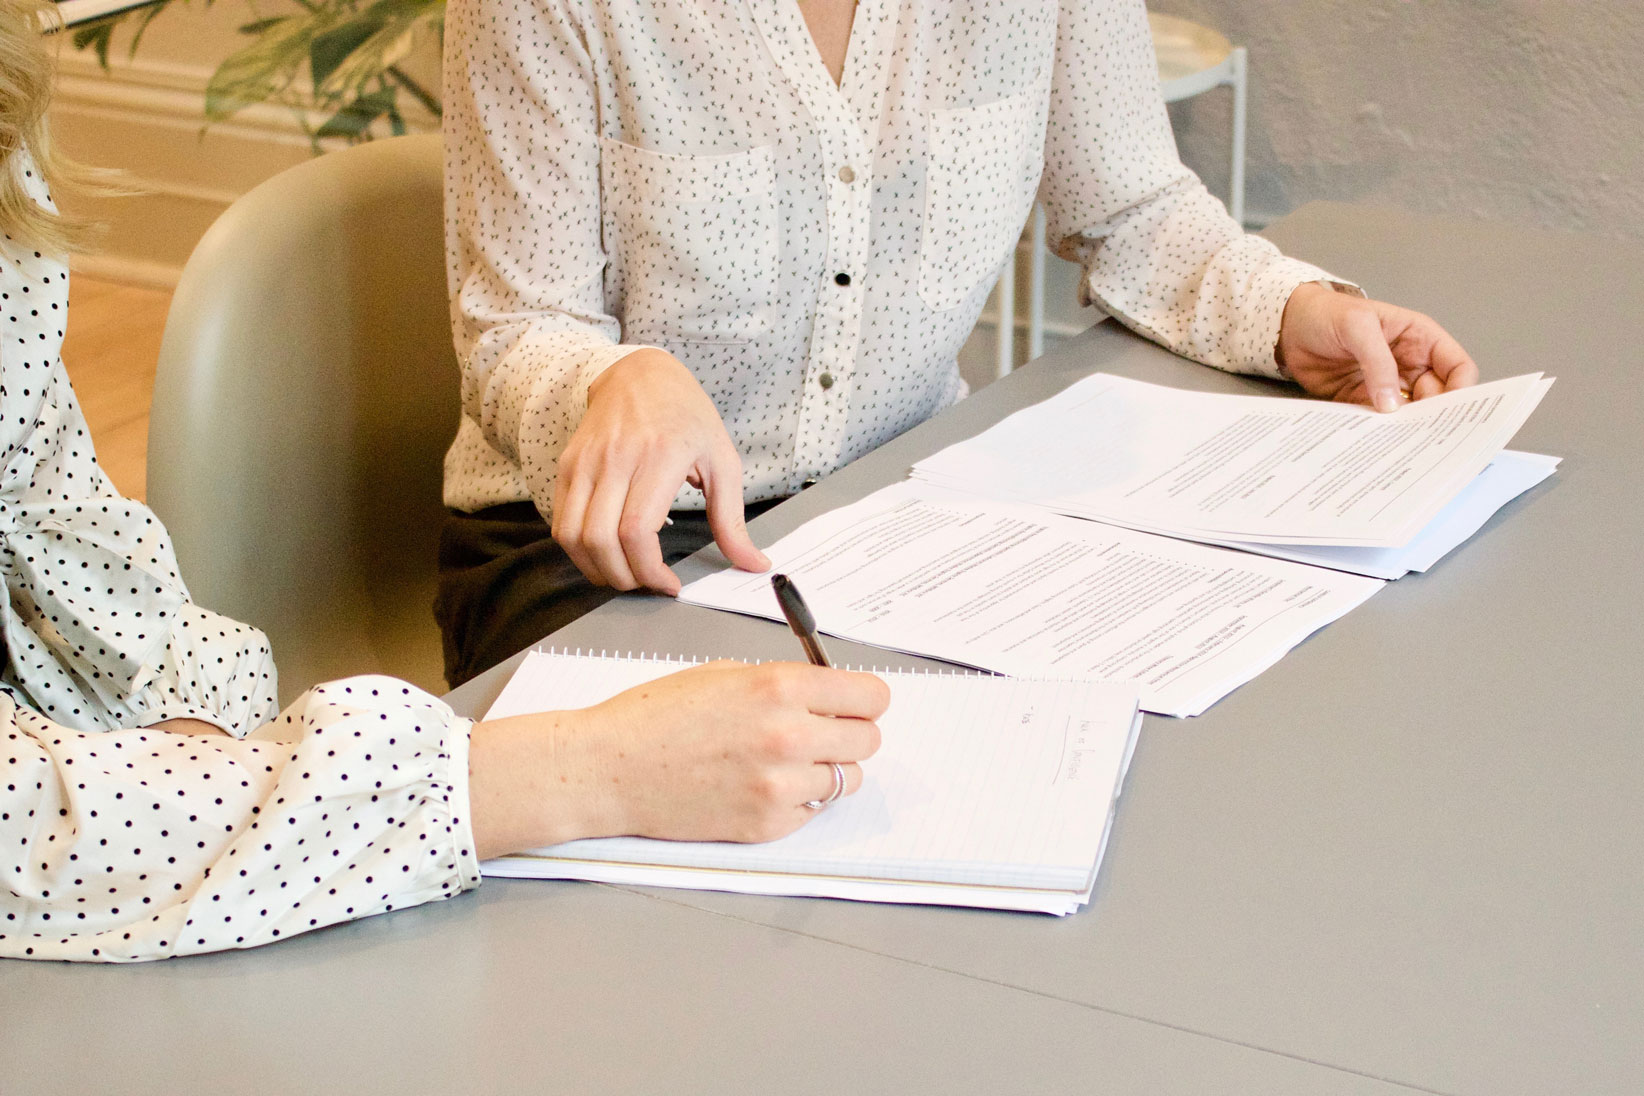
column 112, row 343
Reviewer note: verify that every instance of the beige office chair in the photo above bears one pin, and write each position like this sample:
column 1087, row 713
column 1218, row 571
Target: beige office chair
column 307, row 390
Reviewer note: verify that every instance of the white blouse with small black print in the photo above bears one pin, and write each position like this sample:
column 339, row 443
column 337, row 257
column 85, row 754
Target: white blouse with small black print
column 119, row 843
column 686, row 174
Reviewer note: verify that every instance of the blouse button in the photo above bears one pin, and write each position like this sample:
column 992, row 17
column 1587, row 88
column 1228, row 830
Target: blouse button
column 809, row 482
column 825, row 380
column 842, row 279
column 847, row 174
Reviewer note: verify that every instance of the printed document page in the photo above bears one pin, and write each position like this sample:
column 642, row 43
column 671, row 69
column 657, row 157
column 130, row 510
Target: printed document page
column 1013, row 588
column 1241, row 468
column 1507, row 477
column 984, row 788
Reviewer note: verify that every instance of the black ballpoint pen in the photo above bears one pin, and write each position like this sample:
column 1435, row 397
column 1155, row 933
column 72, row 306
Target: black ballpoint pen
column 799, row 619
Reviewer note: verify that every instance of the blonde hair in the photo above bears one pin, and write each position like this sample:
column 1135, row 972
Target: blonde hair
column 26, row 70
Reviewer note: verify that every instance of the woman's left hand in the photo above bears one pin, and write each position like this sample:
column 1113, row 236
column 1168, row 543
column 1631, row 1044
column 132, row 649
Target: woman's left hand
column 1341, row 347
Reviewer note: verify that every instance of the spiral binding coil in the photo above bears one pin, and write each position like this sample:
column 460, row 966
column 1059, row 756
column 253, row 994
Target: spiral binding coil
column 687, row 661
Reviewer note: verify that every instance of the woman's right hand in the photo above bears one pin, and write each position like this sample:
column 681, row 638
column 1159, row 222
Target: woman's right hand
column 720, row 752
column 649, row 429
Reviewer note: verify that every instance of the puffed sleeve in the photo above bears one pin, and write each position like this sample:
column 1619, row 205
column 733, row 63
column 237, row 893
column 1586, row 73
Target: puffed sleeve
column 139, row 844
column 1159, row 252
column 524, row 244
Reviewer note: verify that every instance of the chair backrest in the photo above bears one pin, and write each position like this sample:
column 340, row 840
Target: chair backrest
column 307, row 389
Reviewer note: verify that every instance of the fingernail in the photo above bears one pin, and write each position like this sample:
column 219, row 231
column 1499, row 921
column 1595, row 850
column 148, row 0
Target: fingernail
column 1386, row 401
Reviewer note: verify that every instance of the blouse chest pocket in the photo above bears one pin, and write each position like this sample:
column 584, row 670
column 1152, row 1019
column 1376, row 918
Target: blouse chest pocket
column 696, row 242
column 982, row 172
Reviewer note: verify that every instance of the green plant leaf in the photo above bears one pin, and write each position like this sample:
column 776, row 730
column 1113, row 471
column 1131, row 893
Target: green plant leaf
column 261, row 25
column 97, row 36
column 399, row 23
column 143, row 22
column 332, row 48
column 262, row 69
column 352, row 120
column 415, row 90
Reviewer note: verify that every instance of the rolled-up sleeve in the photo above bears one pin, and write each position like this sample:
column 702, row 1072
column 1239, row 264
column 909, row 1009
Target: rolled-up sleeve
column 139, row 844
column 1159, row 252
column 524, row 246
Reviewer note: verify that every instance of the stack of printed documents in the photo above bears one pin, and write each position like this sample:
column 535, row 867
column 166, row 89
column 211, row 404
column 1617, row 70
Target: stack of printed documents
column 1333, row 484
column 1012, row 588
column 986, row 792
column 1089, row 536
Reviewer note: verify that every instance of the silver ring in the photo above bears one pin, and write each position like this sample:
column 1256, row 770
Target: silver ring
column 838, row 788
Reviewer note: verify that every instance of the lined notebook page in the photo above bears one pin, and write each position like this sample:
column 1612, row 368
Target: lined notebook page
column 980, row 781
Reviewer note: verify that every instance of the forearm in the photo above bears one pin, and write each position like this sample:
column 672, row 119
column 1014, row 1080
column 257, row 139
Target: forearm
column 1159, row 252
column 530, row 319
column 1177, row 269
column 188, row 726
column 530, row 785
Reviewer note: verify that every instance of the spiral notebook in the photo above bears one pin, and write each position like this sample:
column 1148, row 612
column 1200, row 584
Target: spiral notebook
column 986, row 791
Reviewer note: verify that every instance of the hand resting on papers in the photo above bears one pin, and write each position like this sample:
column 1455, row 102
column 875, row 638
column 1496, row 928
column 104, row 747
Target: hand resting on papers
column 1342, row 347
column 649, row 429
column 720, row 752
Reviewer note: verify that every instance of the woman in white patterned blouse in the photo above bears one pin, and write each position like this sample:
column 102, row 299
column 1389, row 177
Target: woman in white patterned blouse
column 731, row 245
column 153, row 803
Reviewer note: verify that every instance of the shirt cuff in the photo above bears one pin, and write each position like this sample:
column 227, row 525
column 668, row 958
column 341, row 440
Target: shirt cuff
column 553, row 415
column 593, row 367
column 458, row 735
column 1270, row 291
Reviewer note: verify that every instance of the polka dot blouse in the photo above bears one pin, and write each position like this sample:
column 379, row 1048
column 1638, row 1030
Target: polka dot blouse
column 687, row 175
column 122, row 844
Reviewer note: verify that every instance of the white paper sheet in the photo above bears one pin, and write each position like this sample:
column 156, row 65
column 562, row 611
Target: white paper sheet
column 528, row 866
column 1507, row 477
column 986, row 792
column 1240, row 468
column 1013, row 588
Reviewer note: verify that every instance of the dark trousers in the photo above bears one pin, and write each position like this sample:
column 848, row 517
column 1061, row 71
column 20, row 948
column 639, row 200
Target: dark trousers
column 504, row 584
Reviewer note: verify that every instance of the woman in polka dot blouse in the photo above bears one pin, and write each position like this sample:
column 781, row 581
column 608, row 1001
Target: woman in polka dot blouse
column 152, row 802
column 731, row 245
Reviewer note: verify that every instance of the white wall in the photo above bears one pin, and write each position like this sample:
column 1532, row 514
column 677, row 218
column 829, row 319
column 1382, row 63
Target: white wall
column 1527, row 111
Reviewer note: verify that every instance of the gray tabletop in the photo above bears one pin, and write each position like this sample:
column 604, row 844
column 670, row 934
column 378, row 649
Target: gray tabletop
column 1406, row 858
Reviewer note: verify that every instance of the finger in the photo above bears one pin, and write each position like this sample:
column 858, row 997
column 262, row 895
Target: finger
column 571, row 493
column 721, row 478
column 853, row 777
column 1426, row 385
column 820, row 779
column 599, row 531
column 821, row 690
column 826, row 738
column 1451, row 364
column 643, row 516
column 1362, row 337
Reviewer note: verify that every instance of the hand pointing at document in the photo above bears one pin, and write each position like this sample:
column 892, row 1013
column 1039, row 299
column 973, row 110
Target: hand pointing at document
column 649, row 429
column 1347, row 348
